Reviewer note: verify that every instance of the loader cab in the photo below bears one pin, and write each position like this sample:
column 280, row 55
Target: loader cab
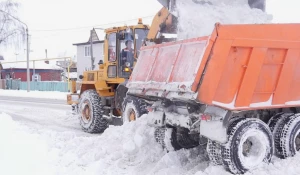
column 116, row 43
column 126, row 45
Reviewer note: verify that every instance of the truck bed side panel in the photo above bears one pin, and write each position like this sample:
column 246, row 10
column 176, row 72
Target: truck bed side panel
column 253, row 67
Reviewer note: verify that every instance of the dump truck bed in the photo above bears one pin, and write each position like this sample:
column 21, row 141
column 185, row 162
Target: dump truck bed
column 237, row 67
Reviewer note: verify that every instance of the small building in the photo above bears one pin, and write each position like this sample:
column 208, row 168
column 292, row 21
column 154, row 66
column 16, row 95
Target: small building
column 44, row 71
column 84, row 52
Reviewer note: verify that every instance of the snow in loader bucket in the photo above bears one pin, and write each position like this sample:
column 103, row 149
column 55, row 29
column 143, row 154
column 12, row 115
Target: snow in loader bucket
column 237, row 67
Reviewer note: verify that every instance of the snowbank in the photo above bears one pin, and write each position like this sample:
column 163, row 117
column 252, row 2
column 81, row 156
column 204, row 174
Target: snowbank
column 40, row 148
column 20, row 152
column 34, row 94
column 197, row 20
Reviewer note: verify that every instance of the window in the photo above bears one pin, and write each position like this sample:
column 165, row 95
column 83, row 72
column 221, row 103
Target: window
column 140, row 36
column 112, row 71
column 112, row 47
column 87, row 50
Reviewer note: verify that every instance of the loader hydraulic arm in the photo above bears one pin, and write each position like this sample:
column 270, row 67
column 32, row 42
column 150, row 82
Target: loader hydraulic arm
column 163, row 22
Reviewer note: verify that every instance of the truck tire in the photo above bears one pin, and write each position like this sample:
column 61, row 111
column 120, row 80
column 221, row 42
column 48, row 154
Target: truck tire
column 287, row 137
column 214, row 149
column 90, row 112
column 166, row 137
column 134, row 107
column 247, row 137
column 214, row 152
column 273, row 123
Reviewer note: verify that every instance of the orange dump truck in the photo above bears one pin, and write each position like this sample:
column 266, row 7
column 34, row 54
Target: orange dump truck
column 238, row 90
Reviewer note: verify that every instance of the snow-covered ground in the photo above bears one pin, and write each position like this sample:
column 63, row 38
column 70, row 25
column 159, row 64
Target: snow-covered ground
column 34, row 94
column 48, row 140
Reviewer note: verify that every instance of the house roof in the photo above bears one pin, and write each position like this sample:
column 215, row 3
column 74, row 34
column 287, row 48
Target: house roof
column 88, row 43
column 23, row 65
column 96, row 35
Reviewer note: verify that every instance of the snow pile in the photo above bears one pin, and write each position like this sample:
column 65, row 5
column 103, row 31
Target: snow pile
column 199, row 20
column 127, row 149
column 22, row 153
column 34, row 94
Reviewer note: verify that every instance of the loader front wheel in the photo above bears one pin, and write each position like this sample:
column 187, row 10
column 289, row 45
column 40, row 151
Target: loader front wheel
column 133, row 108
column 90, row 112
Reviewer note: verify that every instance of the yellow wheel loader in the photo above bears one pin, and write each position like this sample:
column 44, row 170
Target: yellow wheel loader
column 102, row 92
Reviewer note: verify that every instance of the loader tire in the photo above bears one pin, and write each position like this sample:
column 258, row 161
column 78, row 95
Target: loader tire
column 250, row 144
column 287, row 137
column 90, row 112
column 133, row 108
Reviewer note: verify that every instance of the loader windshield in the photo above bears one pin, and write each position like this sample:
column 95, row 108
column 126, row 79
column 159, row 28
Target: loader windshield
column 140, row 35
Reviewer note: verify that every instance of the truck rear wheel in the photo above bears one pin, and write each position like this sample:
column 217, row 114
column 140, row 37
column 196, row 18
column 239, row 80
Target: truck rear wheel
column 250, row 143
column 287, row 136
column 166, row 137
column 90, row 112
column 133, row 108
column 273, row 123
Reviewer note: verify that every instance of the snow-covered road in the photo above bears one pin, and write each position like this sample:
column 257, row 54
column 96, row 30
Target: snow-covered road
column 41, row 138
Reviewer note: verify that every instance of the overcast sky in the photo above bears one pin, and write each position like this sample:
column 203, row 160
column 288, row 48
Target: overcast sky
column 77, row 17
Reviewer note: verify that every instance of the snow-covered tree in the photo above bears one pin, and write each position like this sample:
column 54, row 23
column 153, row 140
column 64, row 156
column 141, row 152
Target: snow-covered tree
column 12, row 31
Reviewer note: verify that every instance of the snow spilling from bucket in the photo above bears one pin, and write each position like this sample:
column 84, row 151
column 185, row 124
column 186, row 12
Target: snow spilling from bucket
column 197, row 20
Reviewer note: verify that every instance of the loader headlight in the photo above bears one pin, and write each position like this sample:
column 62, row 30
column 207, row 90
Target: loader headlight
column 127, row 69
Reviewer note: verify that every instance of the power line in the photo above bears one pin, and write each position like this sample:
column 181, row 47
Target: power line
column 76, row 28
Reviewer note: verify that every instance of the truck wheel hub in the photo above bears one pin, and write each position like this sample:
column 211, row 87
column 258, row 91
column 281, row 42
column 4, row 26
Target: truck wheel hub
column 297, row 142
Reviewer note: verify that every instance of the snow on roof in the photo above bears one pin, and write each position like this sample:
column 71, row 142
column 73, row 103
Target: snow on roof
column 23, row 65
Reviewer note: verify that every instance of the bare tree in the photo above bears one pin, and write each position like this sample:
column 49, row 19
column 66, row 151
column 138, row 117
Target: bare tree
column 12, row 31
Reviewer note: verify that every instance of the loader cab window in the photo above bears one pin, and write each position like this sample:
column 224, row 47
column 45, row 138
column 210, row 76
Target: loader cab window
column 112, row 55
column 140, row 35
column 112, row 39
column 126, row 53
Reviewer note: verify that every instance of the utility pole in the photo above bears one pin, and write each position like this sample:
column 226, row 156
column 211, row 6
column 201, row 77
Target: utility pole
column 92, row 58
column 28, row 75
column 91, row 50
